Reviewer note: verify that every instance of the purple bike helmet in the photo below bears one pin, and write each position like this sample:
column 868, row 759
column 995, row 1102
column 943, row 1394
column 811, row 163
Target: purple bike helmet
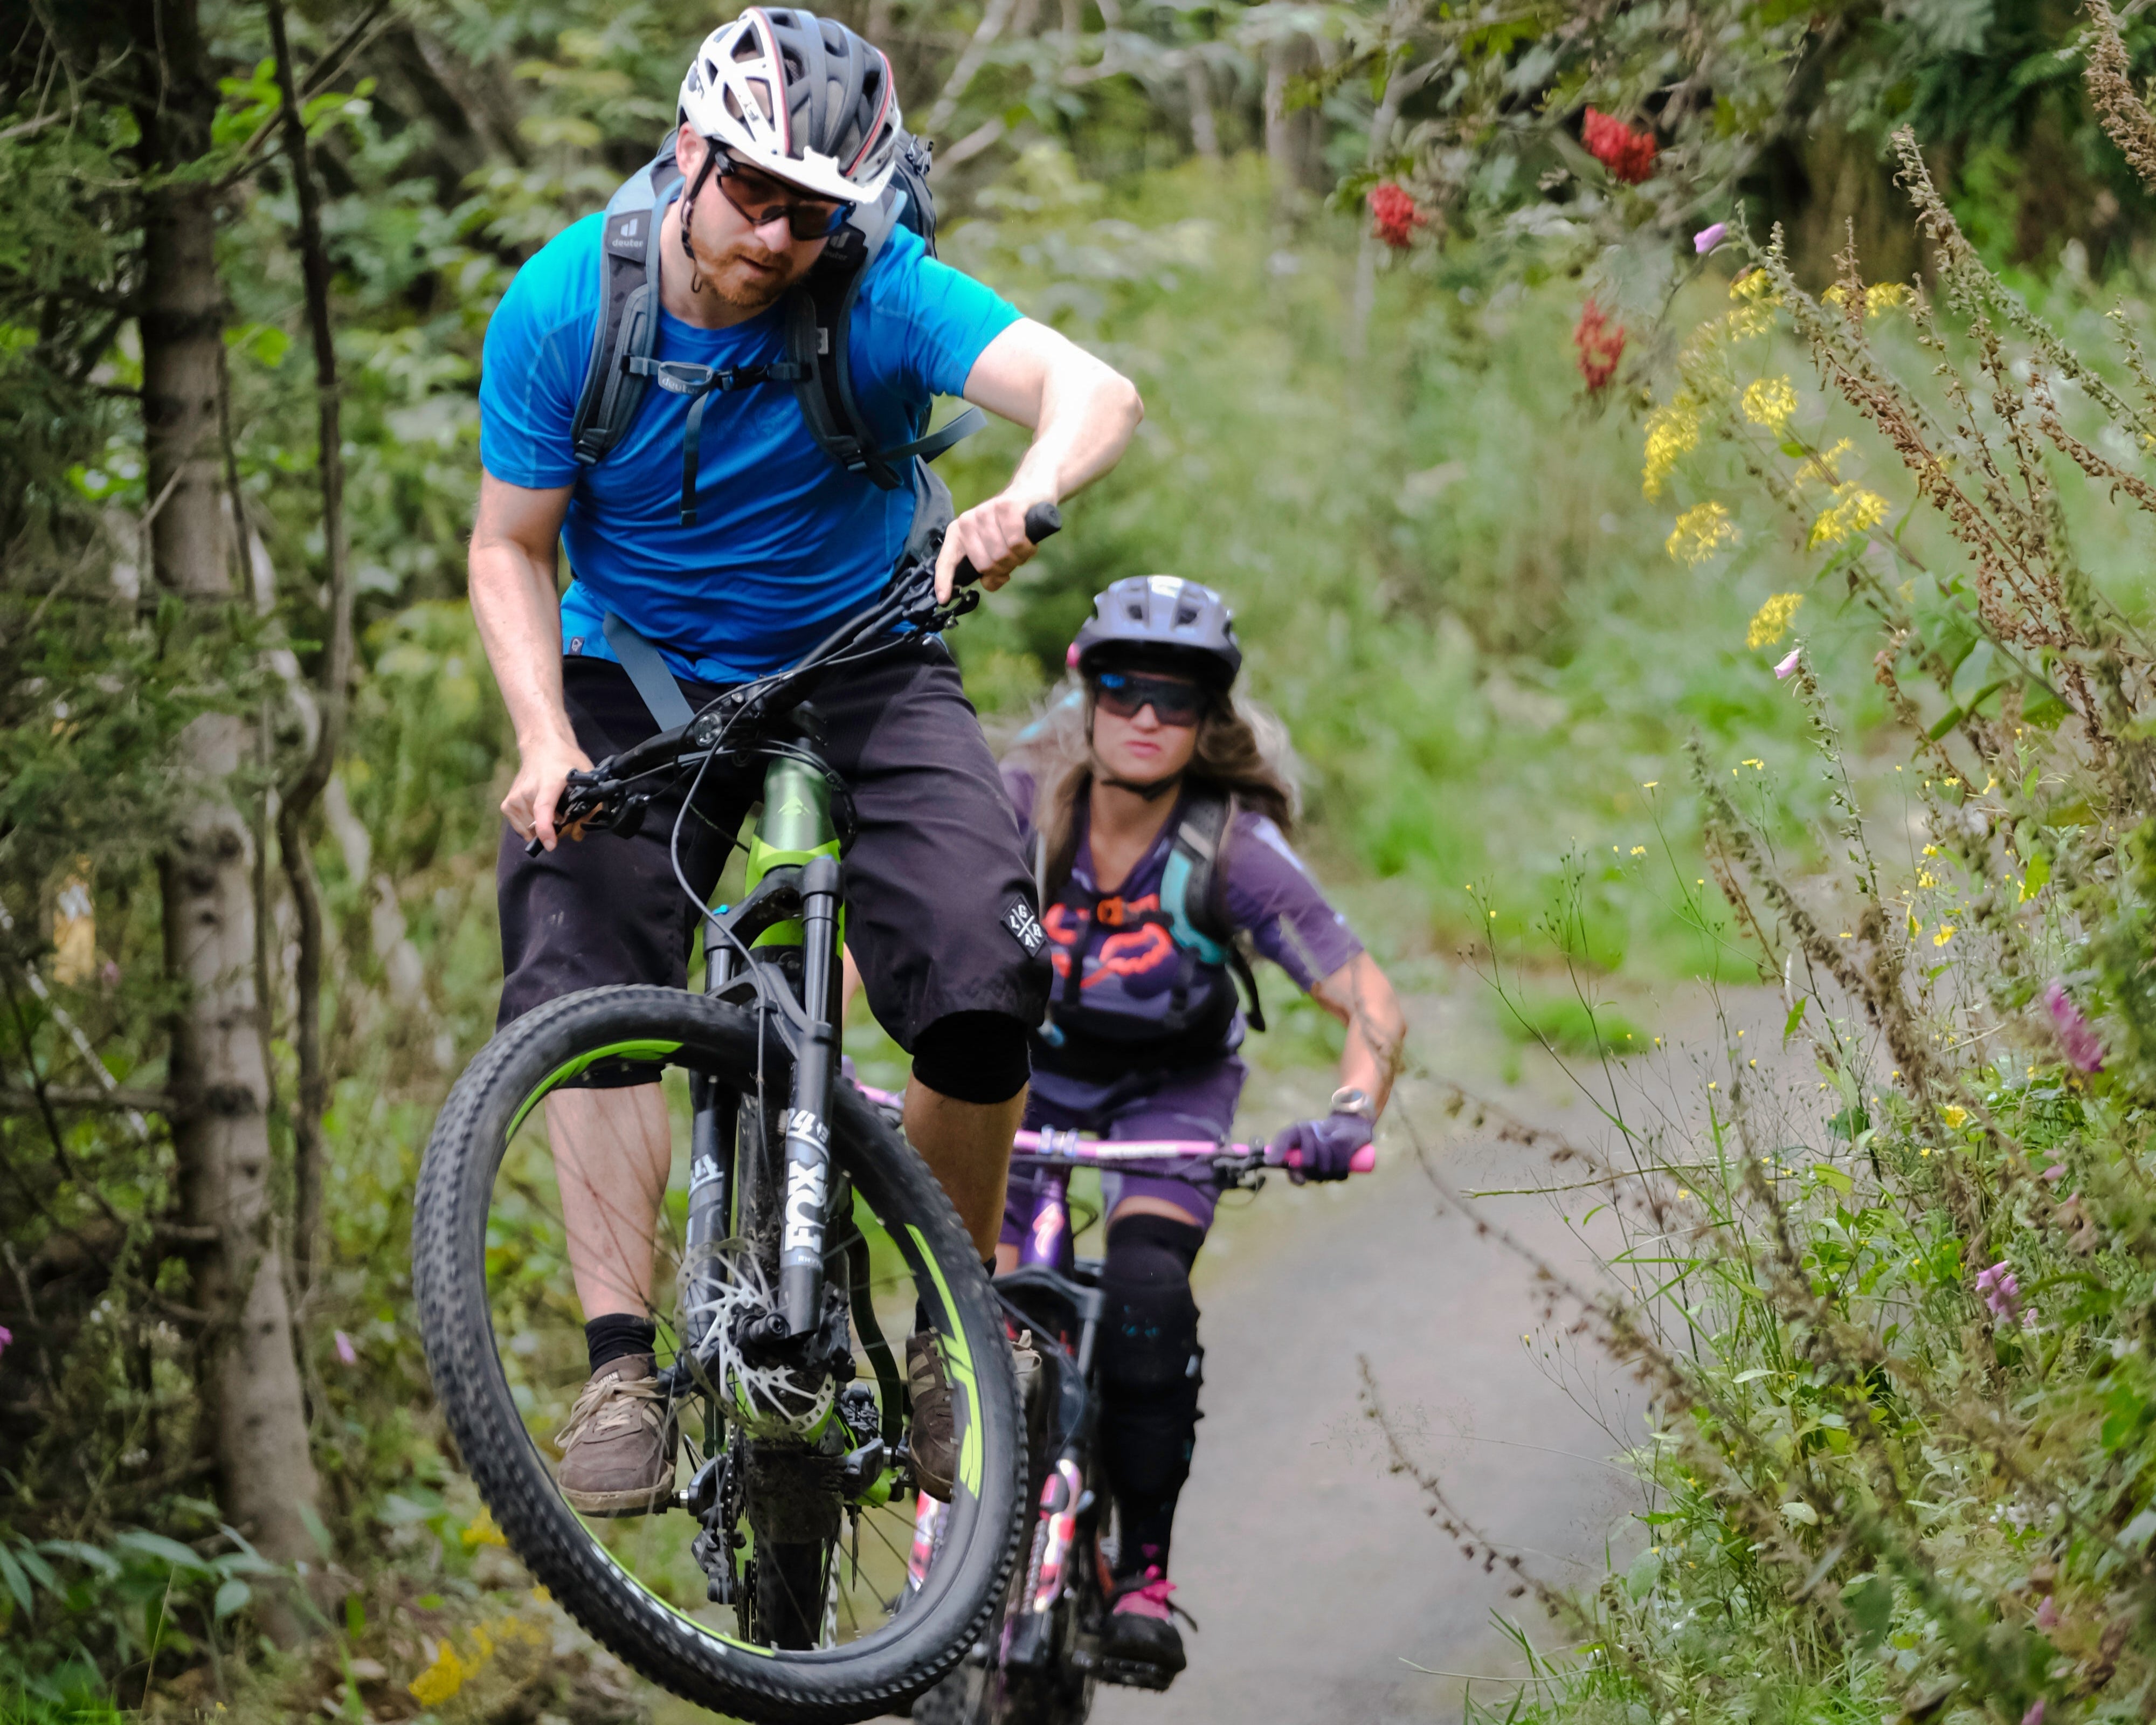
column 1164, row 623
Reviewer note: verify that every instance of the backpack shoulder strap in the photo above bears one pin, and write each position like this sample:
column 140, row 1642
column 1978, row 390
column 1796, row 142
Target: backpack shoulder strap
column 818, row 332
column 1186, row 888
column 1190, row 894
column 627, row 327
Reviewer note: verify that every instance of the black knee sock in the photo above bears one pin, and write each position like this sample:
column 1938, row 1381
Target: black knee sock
column 617, row 1336
column 1152, row 1369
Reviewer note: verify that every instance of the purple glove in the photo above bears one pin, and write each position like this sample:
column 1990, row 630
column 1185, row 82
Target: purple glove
column 1327, row 1147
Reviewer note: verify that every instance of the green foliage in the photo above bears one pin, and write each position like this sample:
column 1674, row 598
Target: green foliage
column 1897, row 1327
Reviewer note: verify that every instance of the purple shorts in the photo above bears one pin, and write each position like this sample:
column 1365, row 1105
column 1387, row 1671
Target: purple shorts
column 1199, row 1102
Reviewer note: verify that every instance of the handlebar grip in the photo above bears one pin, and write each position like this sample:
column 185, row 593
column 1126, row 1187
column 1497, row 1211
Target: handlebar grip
column 1363, row 1162
column 1043, row 521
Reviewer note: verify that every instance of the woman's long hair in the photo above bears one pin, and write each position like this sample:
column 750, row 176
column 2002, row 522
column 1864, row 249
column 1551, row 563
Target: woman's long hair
column 1243, row 753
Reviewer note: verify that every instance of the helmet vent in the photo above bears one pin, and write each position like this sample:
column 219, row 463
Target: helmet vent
column 1185, row 616
column 1136, row 613
column 745, row 49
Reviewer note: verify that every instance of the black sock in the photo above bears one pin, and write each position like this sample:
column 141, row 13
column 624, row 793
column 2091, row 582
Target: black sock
column 617, row 1336
column 921, row 1324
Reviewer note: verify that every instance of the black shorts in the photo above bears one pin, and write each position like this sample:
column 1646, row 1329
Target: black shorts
column 932, row 876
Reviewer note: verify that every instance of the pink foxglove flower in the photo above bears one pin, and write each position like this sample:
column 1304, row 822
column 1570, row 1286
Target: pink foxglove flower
column 2056, row 1172
column 346, row 1351
column 2047, row 1613
column 1707, row 239
column 2001, row 1292
column 1788, row 668
column 2077, row 1040
column 2035, row 1715
column 6, row 1336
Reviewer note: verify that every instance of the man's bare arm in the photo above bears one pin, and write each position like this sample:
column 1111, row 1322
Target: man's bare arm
column 513, row 548
column 1082, row 412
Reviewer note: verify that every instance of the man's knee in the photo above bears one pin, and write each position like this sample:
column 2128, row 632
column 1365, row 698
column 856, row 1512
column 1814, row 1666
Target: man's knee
column 976, row 1057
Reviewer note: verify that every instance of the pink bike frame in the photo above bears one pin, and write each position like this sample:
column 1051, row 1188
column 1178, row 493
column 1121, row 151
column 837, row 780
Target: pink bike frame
column 1047, row 1239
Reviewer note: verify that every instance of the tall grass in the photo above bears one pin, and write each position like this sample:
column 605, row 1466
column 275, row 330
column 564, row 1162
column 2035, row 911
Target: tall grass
column 1897, row 1320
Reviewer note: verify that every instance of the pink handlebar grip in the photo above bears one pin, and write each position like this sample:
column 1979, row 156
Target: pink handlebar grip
column 1363, row 1162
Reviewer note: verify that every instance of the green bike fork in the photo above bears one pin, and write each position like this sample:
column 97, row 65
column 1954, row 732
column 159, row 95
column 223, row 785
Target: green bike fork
column 797, row 831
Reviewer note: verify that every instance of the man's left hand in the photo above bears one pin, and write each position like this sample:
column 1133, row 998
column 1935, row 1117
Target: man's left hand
column 991, row 537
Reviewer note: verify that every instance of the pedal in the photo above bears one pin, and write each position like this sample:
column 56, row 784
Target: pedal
column 1127, row 1673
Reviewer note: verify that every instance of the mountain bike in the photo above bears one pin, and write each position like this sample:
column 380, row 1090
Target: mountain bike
column 774, row 1582
column 1041, row 1659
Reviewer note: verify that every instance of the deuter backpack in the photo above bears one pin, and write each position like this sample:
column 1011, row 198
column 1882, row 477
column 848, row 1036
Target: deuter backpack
column 819, row 313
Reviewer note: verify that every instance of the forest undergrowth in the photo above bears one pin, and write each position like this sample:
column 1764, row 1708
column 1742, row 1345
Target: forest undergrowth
column 1896, row 1314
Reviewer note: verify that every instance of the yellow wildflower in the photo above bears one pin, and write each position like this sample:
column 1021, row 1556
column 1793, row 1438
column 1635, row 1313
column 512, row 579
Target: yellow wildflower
column 1672, row 432
column 1954, row 1115
column 447, row 1675
column 1819, row 470
column 1880, row 296
column 1754, row 286
column 1945, row 934
column 1769, row 402
column 1699, row 532
column 1639, row 850
column 483, row 1530
column 1854, row 510
column 1771, row 620
column 1925, row 877
column 1757, row 766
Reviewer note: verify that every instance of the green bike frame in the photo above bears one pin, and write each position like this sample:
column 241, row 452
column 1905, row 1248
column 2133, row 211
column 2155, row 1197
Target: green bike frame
column 794, row 905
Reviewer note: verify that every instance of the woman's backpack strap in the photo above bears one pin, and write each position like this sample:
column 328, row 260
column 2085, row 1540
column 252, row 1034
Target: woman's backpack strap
column 1190, row 894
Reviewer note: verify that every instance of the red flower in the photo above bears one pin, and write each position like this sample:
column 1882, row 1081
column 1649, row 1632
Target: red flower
column 1629, row 155
column 1600, row 346
column 1396, row 215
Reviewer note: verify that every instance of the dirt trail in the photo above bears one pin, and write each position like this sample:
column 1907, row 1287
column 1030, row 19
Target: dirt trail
column 1320, row 1582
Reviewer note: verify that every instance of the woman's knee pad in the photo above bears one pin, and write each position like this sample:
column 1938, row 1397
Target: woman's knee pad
column 1149, row 1330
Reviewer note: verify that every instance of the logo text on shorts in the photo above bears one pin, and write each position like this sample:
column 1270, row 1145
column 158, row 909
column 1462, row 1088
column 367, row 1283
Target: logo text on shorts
column 1025, row 927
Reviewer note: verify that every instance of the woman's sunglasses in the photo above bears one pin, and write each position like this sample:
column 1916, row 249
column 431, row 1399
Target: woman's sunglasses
column 763, row 201
column 1172, row 701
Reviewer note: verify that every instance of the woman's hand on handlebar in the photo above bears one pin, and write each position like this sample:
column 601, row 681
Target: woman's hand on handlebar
column 992, row 538
column 536, row 793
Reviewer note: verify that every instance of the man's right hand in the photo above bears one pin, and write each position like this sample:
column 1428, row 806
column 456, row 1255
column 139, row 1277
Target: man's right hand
column 536, row 793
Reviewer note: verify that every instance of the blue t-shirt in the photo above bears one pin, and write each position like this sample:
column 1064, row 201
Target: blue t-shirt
column 787, row 542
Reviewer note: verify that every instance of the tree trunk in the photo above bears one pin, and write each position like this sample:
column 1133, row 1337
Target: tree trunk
column 301, row 795
column 1292, row 141
column 221, row 1136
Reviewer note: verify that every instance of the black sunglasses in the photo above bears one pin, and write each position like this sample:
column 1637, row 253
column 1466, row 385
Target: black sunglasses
column 815, row 219
column 1172, row 701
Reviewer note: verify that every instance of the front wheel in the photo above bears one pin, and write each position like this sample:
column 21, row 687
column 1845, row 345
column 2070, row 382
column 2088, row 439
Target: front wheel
column 783, row 1597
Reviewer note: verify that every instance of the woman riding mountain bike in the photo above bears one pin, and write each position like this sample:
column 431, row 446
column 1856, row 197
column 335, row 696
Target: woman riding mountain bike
column 1159, row 809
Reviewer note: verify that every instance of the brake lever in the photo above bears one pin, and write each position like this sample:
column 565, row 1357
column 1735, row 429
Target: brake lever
column 588, row 796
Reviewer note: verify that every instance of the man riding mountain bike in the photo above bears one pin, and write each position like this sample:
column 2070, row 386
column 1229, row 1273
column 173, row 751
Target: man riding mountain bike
column 1157, row 807
column 713, row 536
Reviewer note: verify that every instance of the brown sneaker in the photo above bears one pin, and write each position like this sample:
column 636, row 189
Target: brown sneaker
column 934, row 1440
column 618, row 1448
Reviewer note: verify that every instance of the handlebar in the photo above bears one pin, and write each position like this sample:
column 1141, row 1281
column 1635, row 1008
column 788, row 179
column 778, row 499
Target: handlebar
column 1043, row 521
column 911, row 599
column 1052, row 1145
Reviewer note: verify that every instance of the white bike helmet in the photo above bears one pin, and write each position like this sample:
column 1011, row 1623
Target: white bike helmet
column 801, row 98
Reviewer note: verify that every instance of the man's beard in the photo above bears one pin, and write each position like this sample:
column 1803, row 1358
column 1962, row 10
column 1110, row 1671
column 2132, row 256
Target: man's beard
column 749, row 289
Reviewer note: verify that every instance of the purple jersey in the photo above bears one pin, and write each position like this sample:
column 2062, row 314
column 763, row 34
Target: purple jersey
column 1129, row 967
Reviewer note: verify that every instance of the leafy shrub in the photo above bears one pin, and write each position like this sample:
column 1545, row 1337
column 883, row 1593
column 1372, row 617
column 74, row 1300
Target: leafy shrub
column 1899, row 1339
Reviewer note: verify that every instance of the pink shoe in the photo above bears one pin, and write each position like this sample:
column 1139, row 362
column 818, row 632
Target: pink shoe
column 1141, row 1628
